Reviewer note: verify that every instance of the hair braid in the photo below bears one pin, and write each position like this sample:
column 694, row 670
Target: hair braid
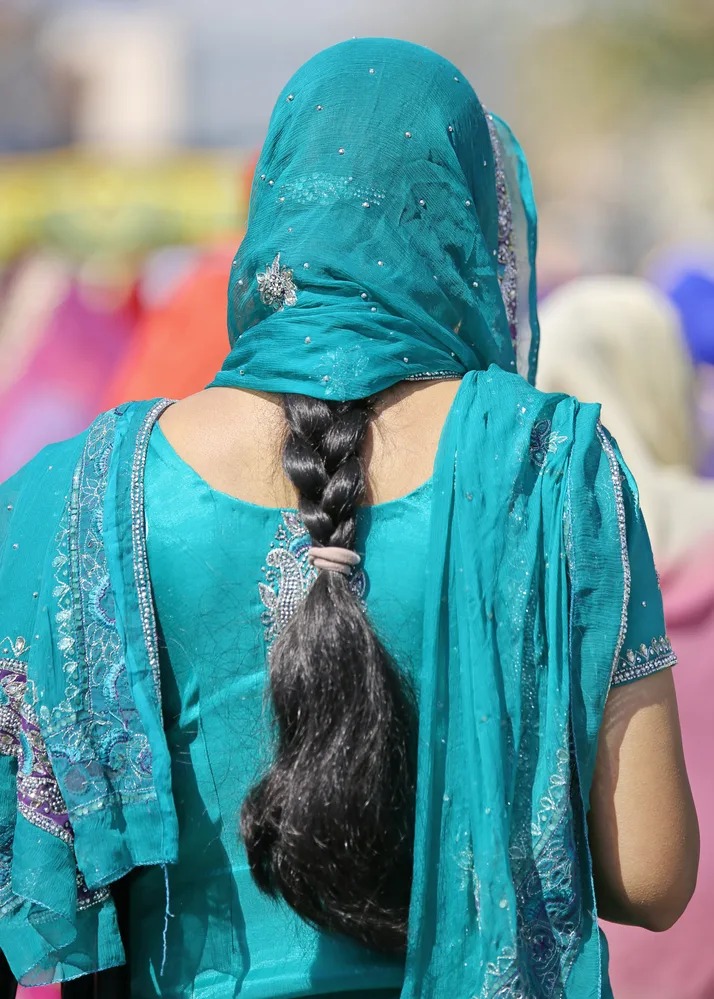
column 330, row 826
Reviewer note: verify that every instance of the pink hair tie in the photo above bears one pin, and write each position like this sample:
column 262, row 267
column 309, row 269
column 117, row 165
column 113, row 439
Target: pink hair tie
column 333, row 559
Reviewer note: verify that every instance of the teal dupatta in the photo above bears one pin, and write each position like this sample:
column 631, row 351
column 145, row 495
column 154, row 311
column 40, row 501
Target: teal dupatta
column 85, row 787
column 524, row 612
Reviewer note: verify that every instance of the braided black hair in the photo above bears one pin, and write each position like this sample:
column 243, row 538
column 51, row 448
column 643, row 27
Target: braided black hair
column 330, row 827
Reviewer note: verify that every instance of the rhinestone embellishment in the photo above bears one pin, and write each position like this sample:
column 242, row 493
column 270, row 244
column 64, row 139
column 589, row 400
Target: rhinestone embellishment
column 508, row 265
column 276, row 285
column 288, row 574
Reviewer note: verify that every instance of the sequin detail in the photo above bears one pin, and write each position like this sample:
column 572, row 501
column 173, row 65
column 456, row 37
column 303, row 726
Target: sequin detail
column 635, row 664
column 138, row 536
column 39, row 798
column 507, row 262
column 288, row 575
column 549, row 903
column 428, row 376
column 87, row 897
column 276, row 285
column 544, row 441
column 326, row 189
column 95, row 736
column 15, row 647
column 615, row 474
column 340, row 368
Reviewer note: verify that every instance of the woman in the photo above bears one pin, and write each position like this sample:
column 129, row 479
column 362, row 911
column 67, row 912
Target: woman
column 687, row 277
column 440, row 634
column 628, row 352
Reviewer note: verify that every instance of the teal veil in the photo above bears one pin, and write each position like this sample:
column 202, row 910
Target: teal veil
column 388, row 216
column 391, row 236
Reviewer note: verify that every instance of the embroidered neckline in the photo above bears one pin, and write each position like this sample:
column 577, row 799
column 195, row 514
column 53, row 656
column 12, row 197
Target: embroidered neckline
column 288, row 575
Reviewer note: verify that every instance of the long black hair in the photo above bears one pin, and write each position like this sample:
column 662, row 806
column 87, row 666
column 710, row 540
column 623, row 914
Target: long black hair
column 330, row 826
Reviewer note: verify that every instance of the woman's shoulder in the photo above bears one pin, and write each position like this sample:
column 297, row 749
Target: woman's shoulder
column 63, row 455
column 518, row 408
column 497, row 381
column 39, row 491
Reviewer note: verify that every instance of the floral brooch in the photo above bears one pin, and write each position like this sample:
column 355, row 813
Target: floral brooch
column 276, row 286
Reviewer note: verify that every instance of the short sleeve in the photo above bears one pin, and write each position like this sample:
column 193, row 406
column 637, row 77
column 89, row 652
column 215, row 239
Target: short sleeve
column 646, row 648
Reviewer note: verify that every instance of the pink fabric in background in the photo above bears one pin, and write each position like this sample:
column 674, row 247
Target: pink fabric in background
column 679, row 964
column 62, row 387
column 42, row 992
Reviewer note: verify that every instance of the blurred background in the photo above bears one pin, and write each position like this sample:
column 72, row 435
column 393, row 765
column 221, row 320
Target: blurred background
column 127, row 131
column 128, row 134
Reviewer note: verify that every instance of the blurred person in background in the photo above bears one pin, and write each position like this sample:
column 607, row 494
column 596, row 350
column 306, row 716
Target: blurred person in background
column 686, row 275
column 620, row 342
column 449, row 647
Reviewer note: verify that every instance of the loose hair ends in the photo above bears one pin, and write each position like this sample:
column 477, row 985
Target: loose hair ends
column 330, row 826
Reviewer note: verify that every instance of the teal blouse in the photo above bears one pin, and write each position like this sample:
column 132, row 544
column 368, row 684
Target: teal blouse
column 209, row 558
column 223, row 572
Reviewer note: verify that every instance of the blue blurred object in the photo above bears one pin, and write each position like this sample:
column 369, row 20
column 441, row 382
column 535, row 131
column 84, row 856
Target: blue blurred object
column 693, row 295
column 685, row 273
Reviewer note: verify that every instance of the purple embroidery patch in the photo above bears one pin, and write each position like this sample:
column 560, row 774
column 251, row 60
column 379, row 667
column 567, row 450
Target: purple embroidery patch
column 38, row 795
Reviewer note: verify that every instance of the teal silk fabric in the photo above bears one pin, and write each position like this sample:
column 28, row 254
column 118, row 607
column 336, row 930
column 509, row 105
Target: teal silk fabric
column 527, row 578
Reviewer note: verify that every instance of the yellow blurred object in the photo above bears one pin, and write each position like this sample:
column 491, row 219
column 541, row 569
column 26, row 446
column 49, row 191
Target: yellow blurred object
column 83, row 205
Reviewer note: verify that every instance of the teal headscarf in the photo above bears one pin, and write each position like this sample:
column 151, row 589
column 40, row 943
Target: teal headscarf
column 388, row 215
column 391, row 236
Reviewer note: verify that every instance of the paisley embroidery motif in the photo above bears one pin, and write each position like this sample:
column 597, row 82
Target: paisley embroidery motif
column 94, row 735
column 549, row 900
column 544, row 441
column 39, row 799
column 288, row 575
column 38, row 796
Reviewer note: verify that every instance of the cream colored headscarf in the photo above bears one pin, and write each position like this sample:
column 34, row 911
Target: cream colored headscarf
column 617, row 341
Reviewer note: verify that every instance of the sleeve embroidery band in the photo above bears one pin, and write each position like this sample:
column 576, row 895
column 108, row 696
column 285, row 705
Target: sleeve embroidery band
column 634, row 664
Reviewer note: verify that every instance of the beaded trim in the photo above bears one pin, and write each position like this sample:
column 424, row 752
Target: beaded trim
column 508, row 265
column 87, row 897
column 544, row 441
column 138, row 533
column 648, row 659
column 428, row 376
column 622, row 531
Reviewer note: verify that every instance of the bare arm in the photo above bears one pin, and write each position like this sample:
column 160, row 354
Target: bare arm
column 644, row 834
